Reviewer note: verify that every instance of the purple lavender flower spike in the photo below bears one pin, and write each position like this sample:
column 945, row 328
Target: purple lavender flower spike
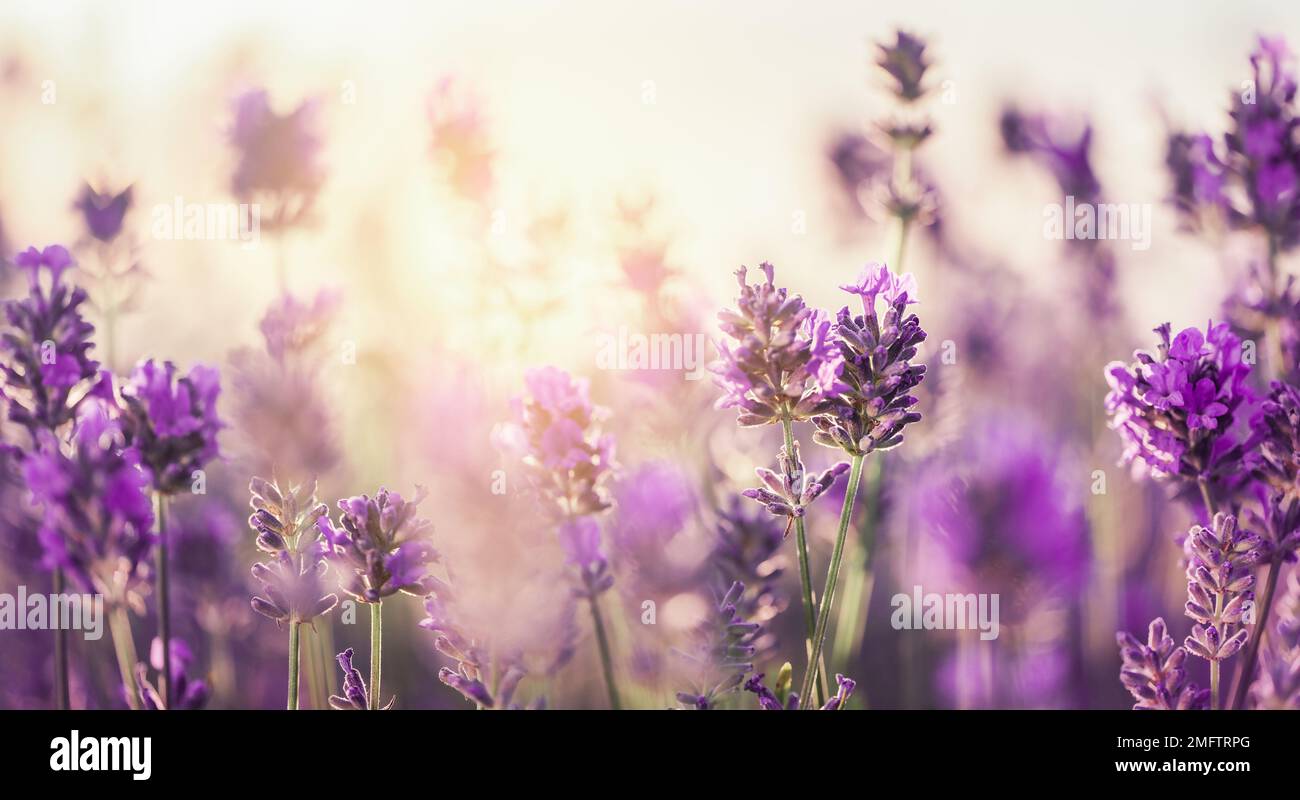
column 1273, row 454
column 171, row 421
column 1174, row 408
column 790, row 492
column 723, row 653
column 1154, row 673
column 97, row 518
column 293, row 578
column 783, row 362
column 354, row 695
column 1278, row 684
column 188, row 693
column 381, row 547
column 1219, row 587
column 45, row 349
column 906, row 63
column 877, row 351
column 279, row 157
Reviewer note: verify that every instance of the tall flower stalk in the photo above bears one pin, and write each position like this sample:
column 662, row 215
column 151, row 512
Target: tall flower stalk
column 293, row 577
column 1219, row 592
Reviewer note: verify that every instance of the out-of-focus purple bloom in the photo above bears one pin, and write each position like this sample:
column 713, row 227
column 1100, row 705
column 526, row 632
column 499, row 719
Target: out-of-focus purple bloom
column 381, row 547
column 46, row 344
column 103, row 213
column 460, row 141
column 355, row 695
column 468, row 678
column 1064, row 153
column 278, row 156
column 580, row 540
column 782, row 363
column 189, row 693
column 1154, row 672
column 556, row 434
column 1174, row 408
column 654, row 502
column 906, row 63
column 1219, row 587
column 871, row 413
column 1278, row 684
column 293, row 578
column 723, row 654
column 788, row 493
column 172, row 421
column 747, row 548
column 97, row 515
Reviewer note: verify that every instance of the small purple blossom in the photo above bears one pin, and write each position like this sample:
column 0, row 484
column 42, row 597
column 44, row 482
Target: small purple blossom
column 293, row 577
column 770, row 700
column 906, row 63
column 103, row 213
column 1154, row 673
column 354, row 695
column 789, row 492
column 171, row 421
column 381, row 547
column 1219, row 587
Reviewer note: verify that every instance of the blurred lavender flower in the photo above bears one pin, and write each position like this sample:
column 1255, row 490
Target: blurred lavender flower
column 468, row 676
column 1253, row 181
column 1174, row 408
column 784, row 363
column 380, row 546
column 1273, row 453
column 97, row 521
column 189, row 693
column 1154, row 673
column 460, row 141
column 870, row 413
column 790, row 492
column 104, row 213
column 747, row 549
column 906, row 63
column 46, row 345
column 1219, row 588
column 172, row 421
column 556, row 434
column 580, row 540
column 723, row 654
column 1278, row 684
column 354, row 695
column 654, row 502
column 1049, row 142
column 293, row 578
column 278, row 156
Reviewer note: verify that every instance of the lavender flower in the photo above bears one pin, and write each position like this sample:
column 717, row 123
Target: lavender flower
column 103, row 213
column 467, row 678
column 871, row 413
column 1048, row 141
column 97, row 519
column 1174, row 408
column 1154, row 673
column 580, row 540
column 188, row 693
column 293, row 578
column 46, row 347
column 906, row 63
column 1219, row 584
column 784, row 363
column 723, row 653
column 278, row 156
column 790, row 492
column 172, row 421
column 460, row 140
column 1278, row 684
column 381, row 547
column 768, row 700
column 354, row 695
column 747, row 548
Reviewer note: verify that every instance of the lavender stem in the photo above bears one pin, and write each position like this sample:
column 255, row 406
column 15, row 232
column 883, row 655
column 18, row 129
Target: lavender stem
column 606, row 662
column 805, row 579
column 833, row 574
column 164, row 606
column 376, row 651
column 293, row 665
column 60, row 653
column 119, row 626
column 1247, row 667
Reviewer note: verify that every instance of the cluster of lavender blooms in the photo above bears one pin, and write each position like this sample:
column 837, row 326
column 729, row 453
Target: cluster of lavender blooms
column 789, row 492
column 782, row 699
column 1278, row 684
column 469, row 677
column 1174, row 408
column 381, row 547
column 747, row 549
column 171, row 421
column 1154, row 672
column 293, row 579
column 723, row 654
column 1219, row 587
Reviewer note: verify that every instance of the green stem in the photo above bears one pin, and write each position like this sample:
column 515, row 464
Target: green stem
column 376, row 651
column 1261, row 628
column 805, row 580
column 60, row 653
column 119, row 625
column 164, row 605
column 606, row 662
column 1208, row 499
column 293, row 665
column 833, row 574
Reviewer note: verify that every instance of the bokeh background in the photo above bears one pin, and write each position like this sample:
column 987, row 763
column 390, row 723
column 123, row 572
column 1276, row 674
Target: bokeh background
column 502, row 183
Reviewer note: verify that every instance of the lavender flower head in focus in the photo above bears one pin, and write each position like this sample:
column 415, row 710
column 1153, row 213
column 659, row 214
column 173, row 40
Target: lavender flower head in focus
column 875, row 351
column 46, row 346
column 293, row 578
column 172, row 421
column 790, row 492
column 1219, row 587
column 381, row 547
column 1154, row 673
